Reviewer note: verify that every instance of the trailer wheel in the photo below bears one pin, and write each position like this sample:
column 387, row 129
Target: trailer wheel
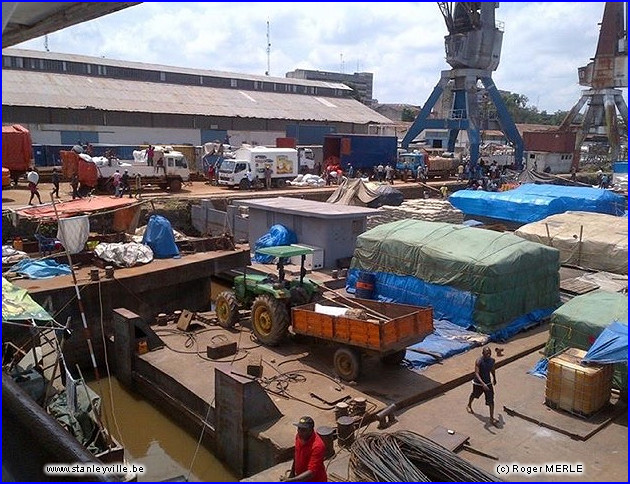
column 347, row 363
column 227, row 309
column 175, row 185
column 394, row 359
column 270, row 320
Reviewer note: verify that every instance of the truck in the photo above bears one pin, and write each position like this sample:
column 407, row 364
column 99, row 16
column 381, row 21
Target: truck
column 437, row 163
column 17, row 150
column 362, row 151
column 97, row 172
column 282, row 161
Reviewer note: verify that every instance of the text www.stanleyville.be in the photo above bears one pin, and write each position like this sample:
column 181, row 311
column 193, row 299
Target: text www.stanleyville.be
column 528, row 469
column 82, row 469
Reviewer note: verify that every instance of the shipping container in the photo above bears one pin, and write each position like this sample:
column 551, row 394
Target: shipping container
column 362, row 151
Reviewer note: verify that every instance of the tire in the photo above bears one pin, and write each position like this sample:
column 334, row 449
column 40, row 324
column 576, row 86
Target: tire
column 394, row 359
column 270, row 320
column 347, row 363
column 244, row 184
column 227, row 309
column 175, row 185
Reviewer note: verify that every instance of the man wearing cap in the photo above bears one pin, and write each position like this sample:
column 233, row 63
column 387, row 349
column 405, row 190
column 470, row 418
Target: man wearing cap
column 308, row 463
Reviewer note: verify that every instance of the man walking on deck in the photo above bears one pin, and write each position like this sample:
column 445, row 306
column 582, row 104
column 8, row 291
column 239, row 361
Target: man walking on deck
column 484, row 367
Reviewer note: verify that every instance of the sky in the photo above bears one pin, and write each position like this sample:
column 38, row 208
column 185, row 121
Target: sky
column 402, row 43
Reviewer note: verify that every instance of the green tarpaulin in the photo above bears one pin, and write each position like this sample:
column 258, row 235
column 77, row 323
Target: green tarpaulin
column 508, row 275
column 578, row 323
column 17, row 305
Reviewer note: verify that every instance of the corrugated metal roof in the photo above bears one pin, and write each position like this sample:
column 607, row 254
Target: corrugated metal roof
column 34, row 54
column 39, row 89
column 297, row 206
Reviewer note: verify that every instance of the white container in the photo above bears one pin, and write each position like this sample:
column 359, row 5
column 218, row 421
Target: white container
column 313, row 261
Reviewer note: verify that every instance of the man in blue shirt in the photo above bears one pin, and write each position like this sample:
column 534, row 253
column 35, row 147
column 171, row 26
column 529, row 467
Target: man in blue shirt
column 484, row 367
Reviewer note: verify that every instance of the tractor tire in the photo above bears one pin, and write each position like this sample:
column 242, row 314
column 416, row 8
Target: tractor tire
column 270, row 320
column 227, row 309
column 394, row 359
column 347, row 363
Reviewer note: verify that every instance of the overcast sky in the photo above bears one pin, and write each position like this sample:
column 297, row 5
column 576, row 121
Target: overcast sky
column 401, row 43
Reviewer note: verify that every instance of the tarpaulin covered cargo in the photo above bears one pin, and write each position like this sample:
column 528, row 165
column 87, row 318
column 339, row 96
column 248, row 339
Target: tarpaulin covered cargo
column 593, row 241
column 471, row 277
column 578, row 323
column 531, row 203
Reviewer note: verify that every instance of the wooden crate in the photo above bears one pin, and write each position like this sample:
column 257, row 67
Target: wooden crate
column 402, row 325
column 576, row 388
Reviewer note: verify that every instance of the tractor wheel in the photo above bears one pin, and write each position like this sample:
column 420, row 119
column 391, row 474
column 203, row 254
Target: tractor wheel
column 394, row 359
column 270, row 320
column 347, row 363
column 227, row 309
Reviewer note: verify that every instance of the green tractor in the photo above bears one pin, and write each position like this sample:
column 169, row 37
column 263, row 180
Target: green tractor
column 269, row 297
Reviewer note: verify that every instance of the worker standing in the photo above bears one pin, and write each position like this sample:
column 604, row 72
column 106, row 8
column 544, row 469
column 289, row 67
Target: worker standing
column 310, row 451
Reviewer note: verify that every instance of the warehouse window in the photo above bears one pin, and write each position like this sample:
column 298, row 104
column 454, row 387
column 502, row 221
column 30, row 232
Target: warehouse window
column 233, row 83
column 6, row 61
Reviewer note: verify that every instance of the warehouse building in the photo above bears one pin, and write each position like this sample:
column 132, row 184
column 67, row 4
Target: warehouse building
column 64, row 98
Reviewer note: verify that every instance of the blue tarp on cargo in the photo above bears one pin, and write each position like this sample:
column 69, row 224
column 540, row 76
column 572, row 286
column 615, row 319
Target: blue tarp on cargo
column 531, row 203
column 611, row 346
column 159, row 236
column 446, row 340
column 448, row 302
column 278, row 235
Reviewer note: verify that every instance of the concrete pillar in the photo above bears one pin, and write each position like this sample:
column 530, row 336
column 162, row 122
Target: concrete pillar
column 124, row 343
column 240, row 404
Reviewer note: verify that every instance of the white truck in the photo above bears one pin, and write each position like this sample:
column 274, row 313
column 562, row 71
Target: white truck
column 282, row 161
column 174, row 174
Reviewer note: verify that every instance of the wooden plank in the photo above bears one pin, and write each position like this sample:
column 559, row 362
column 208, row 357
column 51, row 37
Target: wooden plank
column 577, row 286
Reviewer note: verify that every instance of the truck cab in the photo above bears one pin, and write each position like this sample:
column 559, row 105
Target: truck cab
column 234, row 173
column 306, row 160
column 412, row 162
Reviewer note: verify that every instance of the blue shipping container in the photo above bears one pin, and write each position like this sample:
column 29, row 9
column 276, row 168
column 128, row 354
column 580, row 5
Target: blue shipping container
column 363, row 151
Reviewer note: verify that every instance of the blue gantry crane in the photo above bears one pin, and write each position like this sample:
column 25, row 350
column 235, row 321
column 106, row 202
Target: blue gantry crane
column 473, row 50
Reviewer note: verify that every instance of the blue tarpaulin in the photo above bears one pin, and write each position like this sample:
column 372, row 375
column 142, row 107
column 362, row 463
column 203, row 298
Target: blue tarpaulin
column 40, row 269
column 277, row 235
column 159, row 236
column 448, row 302
column 611, row 346
column 531, row 203
column 447, row 340
column 540, row 368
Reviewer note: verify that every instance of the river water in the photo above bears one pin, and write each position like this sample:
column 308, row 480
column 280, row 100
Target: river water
column 152, row 440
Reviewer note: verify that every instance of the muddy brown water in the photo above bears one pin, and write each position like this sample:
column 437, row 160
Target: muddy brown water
column 152, row 440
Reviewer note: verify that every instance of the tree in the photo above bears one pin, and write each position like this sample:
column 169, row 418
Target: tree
column 516, row 105
column 408, row 114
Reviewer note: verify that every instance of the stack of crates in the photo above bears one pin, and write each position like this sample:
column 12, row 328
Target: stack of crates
column 577, row 388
